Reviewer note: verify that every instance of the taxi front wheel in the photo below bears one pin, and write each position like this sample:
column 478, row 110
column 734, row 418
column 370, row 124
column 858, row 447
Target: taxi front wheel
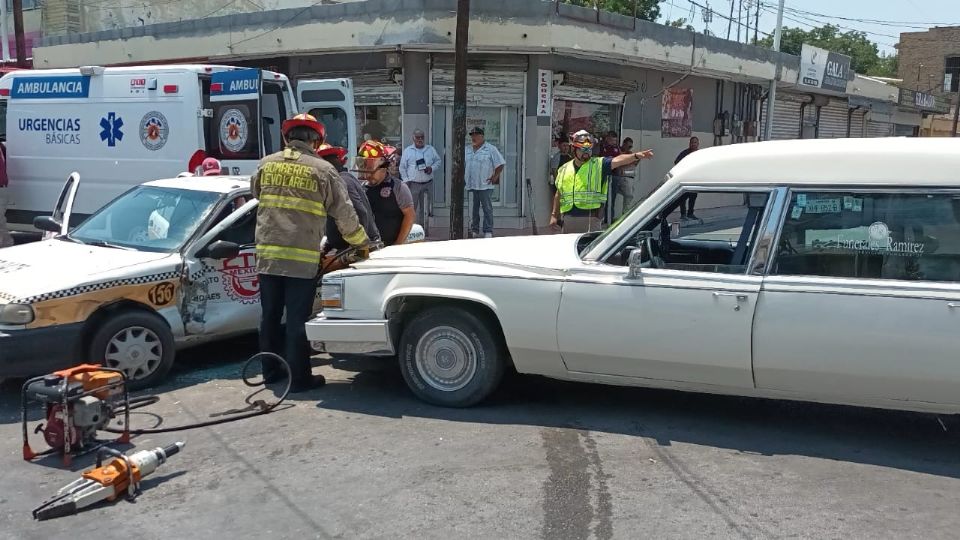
column 139, row 344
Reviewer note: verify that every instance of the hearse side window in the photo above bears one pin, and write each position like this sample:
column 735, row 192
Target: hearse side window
column 721, row 241
column 273, row 112
column 903, row 236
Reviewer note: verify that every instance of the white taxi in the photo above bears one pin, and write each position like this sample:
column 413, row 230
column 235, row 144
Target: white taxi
column 823, row 271
column 168, row 264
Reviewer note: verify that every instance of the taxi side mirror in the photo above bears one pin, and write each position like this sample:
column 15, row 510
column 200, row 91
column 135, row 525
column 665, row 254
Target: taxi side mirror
column 220, row 250
column 47, row 223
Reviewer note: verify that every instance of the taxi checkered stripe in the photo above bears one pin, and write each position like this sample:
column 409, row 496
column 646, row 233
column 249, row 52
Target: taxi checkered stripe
column 82, row 289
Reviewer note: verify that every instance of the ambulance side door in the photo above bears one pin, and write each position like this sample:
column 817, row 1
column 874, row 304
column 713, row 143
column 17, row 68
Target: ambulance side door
column 330, row 101
column 223, row 292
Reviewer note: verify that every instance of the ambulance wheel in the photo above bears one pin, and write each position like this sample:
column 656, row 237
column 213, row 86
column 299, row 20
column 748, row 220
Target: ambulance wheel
column 452, row 357
column 139, row 344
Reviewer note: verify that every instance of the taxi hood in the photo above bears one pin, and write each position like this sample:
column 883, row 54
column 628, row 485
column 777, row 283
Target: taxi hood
column 51, row 266
column 553, row 252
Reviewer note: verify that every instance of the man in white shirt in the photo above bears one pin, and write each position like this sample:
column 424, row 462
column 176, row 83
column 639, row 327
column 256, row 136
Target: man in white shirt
column 484, row 165
column 417, row 164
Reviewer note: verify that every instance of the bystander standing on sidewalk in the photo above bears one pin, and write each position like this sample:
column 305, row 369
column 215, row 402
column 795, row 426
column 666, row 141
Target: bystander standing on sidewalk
column 611, row 145
column 623, row 182
column 558, row 160
column 417, row 165
column 484, row 165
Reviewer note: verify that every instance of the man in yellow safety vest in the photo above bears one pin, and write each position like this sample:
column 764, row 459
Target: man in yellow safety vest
column 582, row 185
column 297, row 191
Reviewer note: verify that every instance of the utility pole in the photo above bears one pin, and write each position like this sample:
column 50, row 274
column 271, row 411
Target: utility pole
column 772, row 94
column 739, row 18
column 756, row 23
column 459, row 119
column 730, row 20
column 18, row 32
column 3, row 31
column 956, row 111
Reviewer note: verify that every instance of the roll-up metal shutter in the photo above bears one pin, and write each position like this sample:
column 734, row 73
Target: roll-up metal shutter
column 857, row 124
column 482, row 62
column 879, row 129
column 593, row 89
column 370, row 87
column 833, row 120
column 786, row 120
column 484, row 88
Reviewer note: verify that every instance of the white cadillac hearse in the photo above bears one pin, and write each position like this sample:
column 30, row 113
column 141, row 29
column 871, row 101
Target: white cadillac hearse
column 827, row 271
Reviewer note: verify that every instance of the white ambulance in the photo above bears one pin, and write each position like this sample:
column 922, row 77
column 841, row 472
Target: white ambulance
column 120, row 126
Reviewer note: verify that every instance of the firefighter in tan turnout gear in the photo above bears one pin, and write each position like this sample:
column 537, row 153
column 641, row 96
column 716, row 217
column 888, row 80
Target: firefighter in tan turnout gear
column 297, row 191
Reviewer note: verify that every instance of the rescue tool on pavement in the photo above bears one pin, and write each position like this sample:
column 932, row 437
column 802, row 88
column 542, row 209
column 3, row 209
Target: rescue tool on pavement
column 119, row 478
column 78, row 402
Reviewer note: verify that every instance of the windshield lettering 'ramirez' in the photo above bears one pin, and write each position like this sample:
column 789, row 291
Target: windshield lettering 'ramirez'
column 148, row 218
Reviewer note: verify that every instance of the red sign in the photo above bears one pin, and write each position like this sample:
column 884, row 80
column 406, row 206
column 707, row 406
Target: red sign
column 243, row 284
column 138, row 86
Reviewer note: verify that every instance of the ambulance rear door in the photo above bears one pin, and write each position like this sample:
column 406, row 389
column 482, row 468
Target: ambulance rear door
column 277, row 103
column 237, row 129
column 331, row 102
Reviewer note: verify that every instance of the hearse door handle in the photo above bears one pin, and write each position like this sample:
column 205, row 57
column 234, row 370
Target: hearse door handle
column 738, row 296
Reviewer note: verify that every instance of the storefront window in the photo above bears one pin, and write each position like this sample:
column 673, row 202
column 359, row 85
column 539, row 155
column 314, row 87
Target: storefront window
column 380, row 122
column 572, row 116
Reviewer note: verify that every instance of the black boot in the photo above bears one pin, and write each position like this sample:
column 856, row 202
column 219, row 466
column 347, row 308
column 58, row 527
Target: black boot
column 314, row 382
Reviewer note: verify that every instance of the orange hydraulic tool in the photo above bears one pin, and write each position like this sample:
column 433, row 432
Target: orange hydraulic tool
column 78, row 402
column 120, row 477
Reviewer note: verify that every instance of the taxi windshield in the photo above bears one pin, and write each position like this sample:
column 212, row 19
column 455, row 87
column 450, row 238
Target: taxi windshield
column 148, row 218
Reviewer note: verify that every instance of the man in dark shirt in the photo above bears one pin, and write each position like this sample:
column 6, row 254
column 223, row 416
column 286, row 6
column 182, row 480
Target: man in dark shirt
column 611, row 145
column 358, row 196
column 559, row 160
column 688, row 201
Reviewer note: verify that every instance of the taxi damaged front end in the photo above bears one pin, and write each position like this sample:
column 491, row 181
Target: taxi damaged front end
column 357, row 327
column 27, row 351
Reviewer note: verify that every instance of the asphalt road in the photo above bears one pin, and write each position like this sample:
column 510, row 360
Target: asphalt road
column 361, row 458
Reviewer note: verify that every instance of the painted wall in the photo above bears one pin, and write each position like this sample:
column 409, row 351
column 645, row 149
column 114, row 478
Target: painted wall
column 99, row 16
column 522, row 26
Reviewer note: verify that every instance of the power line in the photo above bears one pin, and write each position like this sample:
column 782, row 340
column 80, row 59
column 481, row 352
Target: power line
column 715, row 12
column 279, row 26
column 883, row 22
column 814, row 23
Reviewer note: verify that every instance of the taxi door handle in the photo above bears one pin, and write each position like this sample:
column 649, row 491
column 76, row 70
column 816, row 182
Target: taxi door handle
column 953, row 305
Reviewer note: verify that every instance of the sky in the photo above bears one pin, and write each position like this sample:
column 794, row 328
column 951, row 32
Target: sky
column 903, row 16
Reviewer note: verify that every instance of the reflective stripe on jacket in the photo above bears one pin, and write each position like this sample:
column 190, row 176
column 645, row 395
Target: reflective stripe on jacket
column 297, row 192
column 583, row 188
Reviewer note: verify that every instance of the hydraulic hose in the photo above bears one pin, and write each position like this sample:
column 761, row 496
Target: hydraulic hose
column 144, row 401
